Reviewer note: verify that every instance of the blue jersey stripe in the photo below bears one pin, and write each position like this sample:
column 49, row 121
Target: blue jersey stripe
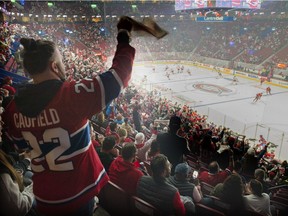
column 109, row 80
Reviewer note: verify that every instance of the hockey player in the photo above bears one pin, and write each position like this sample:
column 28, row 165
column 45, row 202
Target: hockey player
column 268, row 90
column 257, row 97
column 235, row 80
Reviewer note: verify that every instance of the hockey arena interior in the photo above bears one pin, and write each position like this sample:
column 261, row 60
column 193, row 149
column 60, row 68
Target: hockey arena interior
column 144, row 107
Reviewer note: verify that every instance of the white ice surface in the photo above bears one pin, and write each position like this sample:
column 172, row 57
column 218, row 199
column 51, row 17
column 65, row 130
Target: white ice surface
column 235, row 109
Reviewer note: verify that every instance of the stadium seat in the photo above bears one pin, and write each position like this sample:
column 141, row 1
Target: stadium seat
column 279, row 199
column 206, row 188
column 193, row 164
column 203, row 210
column 219, row 204
column 148, row 167
column 102, row 130
column 281, row 208
column 114, row 200
column 203, row 165
column 140, row 207
column 201, row 169
column 282, row 194
column 96, row 127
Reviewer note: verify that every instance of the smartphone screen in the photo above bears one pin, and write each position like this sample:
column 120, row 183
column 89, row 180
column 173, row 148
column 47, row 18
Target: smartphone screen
column 195, row 174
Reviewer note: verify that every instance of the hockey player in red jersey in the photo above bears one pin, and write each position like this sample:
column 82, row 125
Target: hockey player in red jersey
column 50, row 116
column 262, row 80
column 268, row 90
column 257, row 97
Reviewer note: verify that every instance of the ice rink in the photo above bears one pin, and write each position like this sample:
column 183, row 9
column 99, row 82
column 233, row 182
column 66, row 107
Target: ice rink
column 225, row 102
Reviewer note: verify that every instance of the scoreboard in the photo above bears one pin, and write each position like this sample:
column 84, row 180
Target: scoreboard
column 215, row 19
column 200, row 4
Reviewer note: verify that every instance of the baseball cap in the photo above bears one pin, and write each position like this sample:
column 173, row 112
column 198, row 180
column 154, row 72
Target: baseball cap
column 183, row 168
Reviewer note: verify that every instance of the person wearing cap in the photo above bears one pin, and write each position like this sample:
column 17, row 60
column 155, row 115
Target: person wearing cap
column 7, row 84
column 181, row 181
column 172, row 145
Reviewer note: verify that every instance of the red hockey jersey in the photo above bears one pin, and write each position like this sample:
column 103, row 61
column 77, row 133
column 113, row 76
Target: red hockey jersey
column 52, row 119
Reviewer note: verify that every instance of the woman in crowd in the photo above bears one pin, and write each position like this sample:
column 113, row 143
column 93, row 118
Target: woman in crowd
column 15, row 200
column 231, row 192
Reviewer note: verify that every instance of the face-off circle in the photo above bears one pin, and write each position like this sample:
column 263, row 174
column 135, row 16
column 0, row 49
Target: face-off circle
column 211, row 88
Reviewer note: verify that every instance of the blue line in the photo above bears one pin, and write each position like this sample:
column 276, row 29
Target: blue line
column 239, row 99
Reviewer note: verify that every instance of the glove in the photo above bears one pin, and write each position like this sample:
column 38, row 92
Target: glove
column 123, row 36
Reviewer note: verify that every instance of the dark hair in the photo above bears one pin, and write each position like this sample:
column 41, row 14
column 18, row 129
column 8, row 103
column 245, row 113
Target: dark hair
column 109, row 143
column 233, row 191
column 174, row 124
column 154, row 148
column 113, row 126
column 128, row 151
column 36, row 54
column 237, row 166
column 256, row 187
column 158, row 166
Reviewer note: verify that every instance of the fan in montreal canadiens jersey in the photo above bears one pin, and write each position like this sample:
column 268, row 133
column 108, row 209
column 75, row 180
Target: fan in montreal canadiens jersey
column 50, row 117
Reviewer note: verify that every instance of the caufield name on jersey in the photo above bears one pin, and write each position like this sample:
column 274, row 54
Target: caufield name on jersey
column 45, row 118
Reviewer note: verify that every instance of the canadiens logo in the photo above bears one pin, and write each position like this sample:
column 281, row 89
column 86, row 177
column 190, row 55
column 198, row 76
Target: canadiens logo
column 211, row 88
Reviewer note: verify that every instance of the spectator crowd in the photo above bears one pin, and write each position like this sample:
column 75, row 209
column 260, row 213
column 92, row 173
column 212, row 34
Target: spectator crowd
column 162, row 152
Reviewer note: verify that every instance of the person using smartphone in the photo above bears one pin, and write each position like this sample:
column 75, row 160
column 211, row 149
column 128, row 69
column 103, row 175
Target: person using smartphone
column 181, row 181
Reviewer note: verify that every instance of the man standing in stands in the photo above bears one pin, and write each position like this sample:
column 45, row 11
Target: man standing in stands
column 137, row 119
column 172, row 145
column 50, row 116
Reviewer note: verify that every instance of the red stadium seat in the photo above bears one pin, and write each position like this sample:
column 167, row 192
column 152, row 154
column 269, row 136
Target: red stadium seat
column 148, row 167
column 206, row 188
column 140, row 207
column 193, row 164
column 203, row 210
column 114, row 199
